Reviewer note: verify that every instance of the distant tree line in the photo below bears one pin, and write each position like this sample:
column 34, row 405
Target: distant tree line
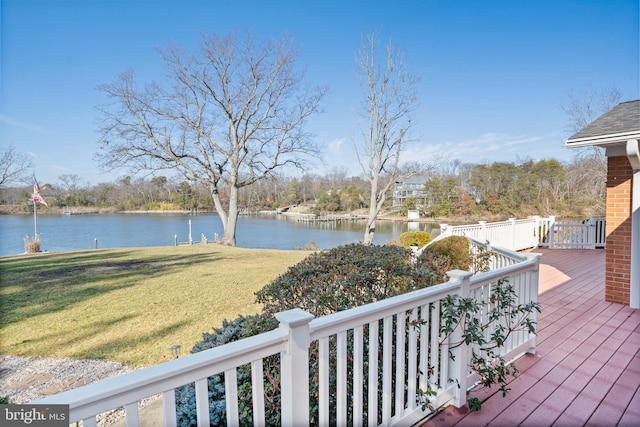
column 545, row 187
column 451, row 189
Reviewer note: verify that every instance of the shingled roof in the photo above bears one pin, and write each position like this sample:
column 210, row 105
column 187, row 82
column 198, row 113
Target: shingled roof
column 619, row 124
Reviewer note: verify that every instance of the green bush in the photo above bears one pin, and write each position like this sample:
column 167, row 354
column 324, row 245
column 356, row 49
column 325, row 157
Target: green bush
column 414, row 238
column 323, row 283
column 344, row 277
column 234, row 330
column 450, row 253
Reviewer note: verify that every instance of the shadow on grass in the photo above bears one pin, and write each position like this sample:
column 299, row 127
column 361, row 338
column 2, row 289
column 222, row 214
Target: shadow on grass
column 44, row 343
column 111, row 346
column 116, row 346
column 43, row 284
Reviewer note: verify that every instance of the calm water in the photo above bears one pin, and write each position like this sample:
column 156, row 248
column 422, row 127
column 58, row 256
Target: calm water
column 78, row 232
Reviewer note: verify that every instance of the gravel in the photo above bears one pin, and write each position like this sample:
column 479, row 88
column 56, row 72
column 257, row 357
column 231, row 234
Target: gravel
column 24, row 379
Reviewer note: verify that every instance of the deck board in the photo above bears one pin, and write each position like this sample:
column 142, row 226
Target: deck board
column 586, row 369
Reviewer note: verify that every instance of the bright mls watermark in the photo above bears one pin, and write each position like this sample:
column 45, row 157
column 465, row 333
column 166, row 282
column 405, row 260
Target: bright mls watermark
column 34, row 415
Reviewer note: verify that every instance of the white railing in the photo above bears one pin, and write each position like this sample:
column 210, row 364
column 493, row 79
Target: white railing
column 519, row 234
column 577, row 234
column 371, row 361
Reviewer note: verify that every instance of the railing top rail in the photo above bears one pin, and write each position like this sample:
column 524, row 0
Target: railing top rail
column 105, row 395
column 516, row 256
column 489, row 276
column 326, row 325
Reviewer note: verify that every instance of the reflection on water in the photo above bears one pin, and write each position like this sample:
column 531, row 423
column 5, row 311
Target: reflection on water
column 78, row 232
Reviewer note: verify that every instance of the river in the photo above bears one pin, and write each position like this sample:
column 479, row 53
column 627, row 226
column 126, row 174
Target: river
column 59, row 233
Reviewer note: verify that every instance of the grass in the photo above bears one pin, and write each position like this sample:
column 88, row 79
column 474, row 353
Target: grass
column 129, row 305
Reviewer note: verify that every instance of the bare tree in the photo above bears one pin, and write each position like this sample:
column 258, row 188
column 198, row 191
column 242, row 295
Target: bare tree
column 14, row 166
column 337, row 177
column 227, row 117
column 586, row 185
column 389, row 98
column 70, row 182
column 583, row 107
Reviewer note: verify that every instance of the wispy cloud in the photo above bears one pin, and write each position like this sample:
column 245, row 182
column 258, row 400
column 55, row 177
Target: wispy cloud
column 487, row 146
column 335, row 145
column 10, row 121
column 60, row 168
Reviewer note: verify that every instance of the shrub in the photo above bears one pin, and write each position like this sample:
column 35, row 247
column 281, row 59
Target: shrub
column 323, row 283
column 504, row 316
column 233, row 330
column 344, row 277
column 32, row 246
column 311, row 246
column 414, row 238
column 450, row 253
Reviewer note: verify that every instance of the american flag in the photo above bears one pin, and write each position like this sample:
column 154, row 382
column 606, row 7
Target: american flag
column 37, row 198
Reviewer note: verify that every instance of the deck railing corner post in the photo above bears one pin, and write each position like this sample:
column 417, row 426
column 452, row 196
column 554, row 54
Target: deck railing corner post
column 483, row 231
column 552, row 237
column 533, row 295
column 294, row 361
column 459, row 360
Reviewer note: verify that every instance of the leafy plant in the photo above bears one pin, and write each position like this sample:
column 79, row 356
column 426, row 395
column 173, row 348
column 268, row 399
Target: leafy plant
column 344, row 277
column 454, row 253
column 414, row 238
column 504, row 316
column 323, row 283
column 233, row 330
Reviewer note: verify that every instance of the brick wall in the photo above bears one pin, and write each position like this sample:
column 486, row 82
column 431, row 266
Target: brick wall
column 618, row 250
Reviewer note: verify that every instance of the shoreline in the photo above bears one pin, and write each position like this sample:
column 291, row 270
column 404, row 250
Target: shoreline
column 390, row 216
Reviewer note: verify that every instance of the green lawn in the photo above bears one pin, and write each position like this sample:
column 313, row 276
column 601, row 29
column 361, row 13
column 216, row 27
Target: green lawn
column 128, row 305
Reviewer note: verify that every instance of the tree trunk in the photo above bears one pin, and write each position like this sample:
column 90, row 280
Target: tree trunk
column 370, row 230
column 228, row 218
column 231, row 220
column 371, row 227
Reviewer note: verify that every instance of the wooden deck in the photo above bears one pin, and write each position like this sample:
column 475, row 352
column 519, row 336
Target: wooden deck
column 586, row 370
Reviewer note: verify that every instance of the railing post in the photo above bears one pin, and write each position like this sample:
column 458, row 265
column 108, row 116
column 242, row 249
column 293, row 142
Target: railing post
column 513, row 234
column 295, row 367
column 537, row 230
column 552, row 226
column 533, row 295
column 483, row 231
column 459, row 366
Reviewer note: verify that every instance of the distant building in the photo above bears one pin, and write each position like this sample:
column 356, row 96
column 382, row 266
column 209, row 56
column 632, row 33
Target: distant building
column 410, row 187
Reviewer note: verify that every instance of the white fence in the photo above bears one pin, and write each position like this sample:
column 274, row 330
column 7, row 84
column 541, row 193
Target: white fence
column 371, row 361
column 519, row 234
column 577, row 234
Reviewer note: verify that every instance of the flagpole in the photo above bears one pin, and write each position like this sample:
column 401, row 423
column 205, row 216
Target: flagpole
column 37, row 198
column 35, row 220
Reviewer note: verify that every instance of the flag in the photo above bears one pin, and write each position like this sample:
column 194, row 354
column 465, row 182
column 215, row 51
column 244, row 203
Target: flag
column 37, row 198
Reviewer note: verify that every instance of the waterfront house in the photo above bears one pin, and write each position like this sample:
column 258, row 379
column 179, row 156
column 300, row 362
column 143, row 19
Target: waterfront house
column 409, row 187
column 618, row 132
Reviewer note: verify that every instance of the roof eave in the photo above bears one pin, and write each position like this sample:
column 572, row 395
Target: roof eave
column 603, row 140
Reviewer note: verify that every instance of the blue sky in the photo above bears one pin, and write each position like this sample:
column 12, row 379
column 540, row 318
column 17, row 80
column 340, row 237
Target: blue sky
column 493, row 73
